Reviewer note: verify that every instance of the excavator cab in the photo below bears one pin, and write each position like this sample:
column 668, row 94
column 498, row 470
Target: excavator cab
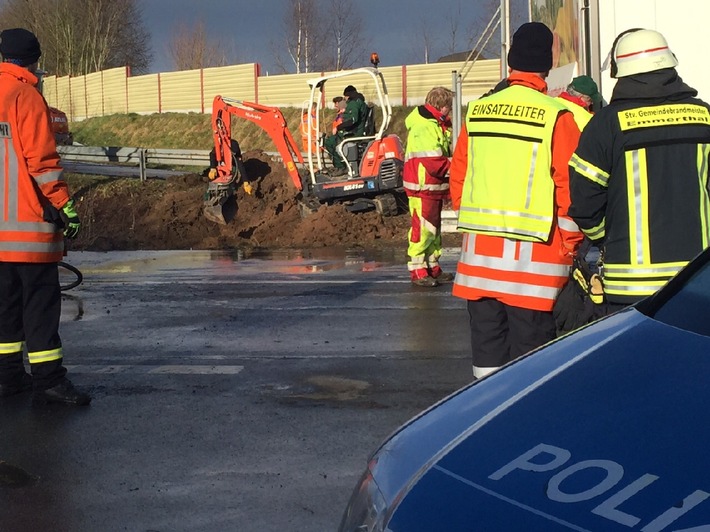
column 374, row 160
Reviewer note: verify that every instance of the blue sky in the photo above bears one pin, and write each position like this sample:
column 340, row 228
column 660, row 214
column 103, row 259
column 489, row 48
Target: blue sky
column 250, row 26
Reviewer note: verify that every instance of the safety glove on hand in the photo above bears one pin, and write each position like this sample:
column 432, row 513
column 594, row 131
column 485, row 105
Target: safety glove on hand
column 72, row 224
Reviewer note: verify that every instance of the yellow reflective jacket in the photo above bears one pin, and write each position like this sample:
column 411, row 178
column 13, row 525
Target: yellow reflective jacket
column 508, row 189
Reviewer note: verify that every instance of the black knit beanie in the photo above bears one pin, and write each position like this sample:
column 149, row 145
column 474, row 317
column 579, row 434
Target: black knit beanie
column 20, row 45
column 531, row 49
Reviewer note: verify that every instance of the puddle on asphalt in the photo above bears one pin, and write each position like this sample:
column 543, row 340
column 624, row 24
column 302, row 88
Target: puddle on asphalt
column 329, row 388
column 277, row 261
column 14, row 477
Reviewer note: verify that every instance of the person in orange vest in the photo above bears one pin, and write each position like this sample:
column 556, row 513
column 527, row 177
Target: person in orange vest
column 312, row 110
column 36, row 214
column 339, row 103
column 509, row 182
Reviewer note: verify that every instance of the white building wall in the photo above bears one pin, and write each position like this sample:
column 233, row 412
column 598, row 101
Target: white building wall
column 684, row 23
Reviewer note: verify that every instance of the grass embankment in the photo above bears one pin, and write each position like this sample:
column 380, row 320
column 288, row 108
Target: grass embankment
column 193, row 131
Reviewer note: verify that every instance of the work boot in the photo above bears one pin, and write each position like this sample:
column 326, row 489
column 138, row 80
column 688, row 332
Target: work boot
column 421, row 277
column 63, row 393
column 440, row 275
column 18, row 385
column 337, row 172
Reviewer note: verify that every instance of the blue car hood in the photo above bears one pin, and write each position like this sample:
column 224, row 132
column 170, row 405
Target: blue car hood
column 605, row 429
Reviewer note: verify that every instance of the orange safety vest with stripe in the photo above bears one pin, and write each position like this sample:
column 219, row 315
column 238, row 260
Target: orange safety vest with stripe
column 530, row 268
column 314, row 131
column 31, row 182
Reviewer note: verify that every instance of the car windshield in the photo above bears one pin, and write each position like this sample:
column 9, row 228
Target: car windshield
column 685, row 302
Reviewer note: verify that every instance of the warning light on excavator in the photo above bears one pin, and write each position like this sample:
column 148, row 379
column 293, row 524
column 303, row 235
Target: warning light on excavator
column 374, row 59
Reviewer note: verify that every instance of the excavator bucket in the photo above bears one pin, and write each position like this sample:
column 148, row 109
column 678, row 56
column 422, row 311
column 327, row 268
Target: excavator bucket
column 220, row 203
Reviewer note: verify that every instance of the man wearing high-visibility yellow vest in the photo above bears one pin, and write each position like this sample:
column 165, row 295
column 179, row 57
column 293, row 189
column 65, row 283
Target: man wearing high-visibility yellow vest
column 639, row 177
column 509, row 183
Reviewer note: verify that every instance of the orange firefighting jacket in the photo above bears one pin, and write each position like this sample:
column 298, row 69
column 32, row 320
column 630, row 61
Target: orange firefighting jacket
column 32, row 189
column 521, row 274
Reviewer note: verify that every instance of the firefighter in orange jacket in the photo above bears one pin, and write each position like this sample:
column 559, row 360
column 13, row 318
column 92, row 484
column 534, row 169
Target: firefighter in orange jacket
column 36, row 212
column 509, row 183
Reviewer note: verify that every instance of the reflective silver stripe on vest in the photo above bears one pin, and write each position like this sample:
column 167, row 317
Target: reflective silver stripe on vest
column 502, row 231
column 7, row 153
column 531, row 175
column 638, row 204
column 633, row 289
column 507, row 263
column 416, row 154
column 650, row 271
column 413, row 186
column 28, row 227
column 49, row 177
column 567, row 224
column 507, row 213
column 33, row 247
column 589, row 171
column 507, row 287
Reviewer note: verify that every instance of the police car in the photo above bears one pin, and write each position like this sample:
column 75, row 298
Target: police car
column 605, row 429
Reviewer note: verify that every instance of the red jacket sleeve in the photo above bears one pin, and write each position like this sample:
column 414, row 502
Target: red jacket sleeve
column 564, row 141
column 459, row 166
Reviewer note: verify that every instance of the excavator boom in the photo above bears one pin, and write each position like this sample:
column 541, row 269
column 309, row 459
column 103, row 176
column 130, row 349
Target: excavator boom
column 270, row 119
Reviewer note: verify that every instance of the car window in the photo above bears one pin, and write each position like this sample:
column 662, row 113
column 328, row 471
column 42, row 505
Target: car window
column 687, row 307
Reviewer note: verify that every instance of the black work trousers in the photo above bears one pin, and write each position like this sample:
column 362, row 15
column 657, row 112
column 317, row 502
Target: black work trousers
column 501, row 333
column 30, row 309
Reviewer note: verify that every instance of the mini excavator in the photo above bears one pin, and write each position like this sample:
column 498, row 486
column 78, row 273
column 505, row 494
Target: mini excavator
column 374, row 161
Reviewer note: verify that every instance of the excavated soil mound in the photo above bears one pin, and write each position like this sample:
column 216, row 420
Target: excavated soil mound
column 124, row 214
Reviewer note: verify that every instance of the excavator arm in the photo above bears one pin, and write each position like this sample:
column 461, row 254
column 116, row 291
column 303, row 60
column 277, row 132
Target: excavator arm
column 270, row 119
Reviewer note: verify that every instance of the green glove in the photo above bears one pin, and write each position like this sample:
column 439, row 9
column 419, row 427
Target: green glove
column 72, row 224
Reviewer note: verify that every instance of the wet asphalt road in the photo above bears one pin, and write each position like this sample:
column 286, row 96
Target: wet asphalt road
column 230, row 394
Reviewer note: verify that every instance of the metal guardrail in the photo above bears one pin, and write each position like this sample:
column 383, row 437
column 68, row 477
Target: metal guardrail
column 140, row 157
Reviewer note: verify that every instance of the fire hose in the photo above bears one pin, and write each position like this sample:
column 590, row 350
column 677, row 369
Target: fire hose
column 77, row 274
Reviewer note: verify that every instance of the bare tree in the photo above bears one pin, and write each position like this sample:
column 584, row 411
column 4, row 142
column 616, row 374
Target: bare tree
column 304, row 35
column 454, row 23
column 83, row 36
column 190, row 48
column 345, row 39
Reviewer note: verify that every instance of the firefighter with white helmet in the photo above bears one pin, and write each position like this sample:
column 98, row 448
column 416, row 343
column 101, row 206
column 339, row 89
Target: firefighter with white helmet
column 639, row 51
column 639, row 176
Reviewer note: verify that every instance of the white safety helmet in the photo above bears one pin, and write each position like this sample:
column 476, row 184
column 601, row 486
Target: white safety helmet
column 637, row 51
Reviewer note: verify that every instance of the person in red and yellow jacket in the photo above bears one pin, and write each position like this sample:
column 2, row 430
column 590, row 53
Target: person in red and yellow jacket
column 426, row 182
column 509, row 183
column 582, row 98
column 36, row 213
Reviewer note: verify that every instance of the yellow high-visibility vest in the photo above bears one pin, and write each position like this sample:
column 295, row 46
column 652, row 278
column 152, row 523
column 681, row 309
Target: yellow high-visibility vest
column 509, row 190
column 581, row 115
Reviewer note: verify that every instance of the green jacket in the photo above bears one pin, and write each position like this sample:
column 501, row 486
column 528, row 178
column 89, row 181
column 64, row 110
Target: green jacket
column 353, row 124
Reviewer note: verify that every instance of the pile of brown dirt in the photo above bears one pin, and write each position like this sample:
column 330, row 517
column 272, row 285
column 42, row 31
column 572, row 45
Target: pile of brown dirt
column 124, row 214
